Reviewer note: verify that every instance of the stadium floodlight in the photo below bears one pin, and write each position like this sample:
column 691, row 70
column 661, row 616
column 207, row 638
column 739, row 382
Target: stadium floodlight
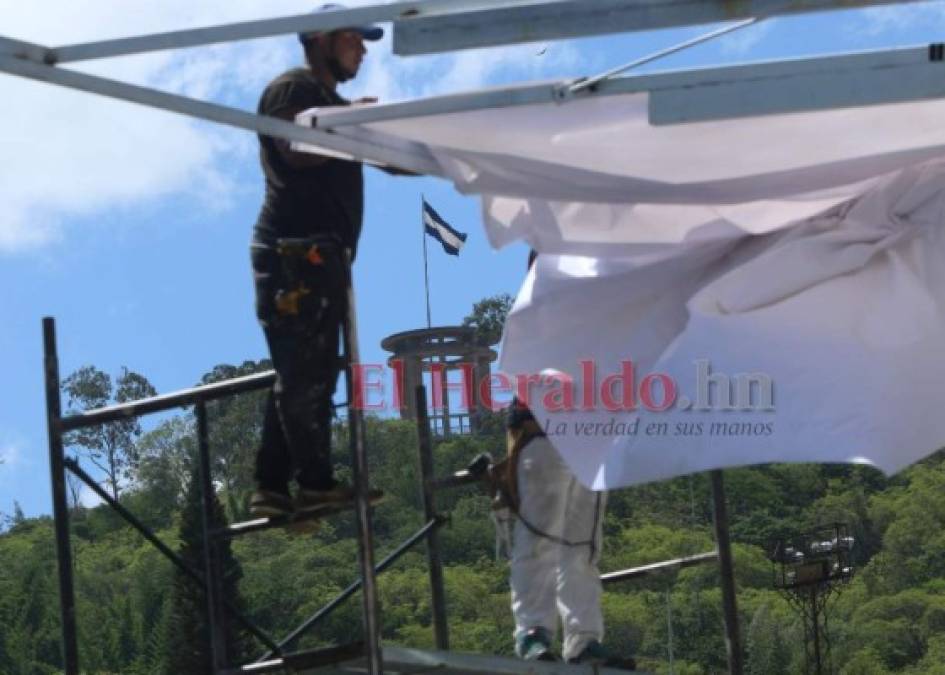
column 808, row 569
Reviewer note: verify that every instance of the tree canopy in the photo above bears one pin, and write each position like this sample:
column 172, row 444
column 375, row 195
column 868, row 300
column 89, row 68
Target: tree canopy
column 488, row 317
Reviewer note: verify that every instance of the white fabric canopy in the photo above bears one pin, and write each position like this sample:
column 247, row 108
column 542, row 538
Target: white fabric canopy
column 591, row 176
column 845, row 313
column 805, row 249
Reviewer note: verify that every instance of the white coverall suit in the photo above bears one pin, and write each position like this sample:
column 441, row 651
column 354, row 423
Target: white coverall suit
column 549, row 575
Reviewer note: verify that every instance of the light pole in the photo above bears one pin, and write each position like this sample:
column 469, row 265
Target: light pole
column 808, row 569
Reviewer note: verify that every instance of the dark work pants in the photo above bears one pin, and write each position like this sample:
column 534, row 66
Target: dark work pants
column 304, row 349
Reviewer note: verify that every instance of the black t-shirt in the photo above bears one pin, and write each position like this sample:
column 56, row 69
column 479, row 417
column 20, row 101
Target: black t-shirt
column 324, row 199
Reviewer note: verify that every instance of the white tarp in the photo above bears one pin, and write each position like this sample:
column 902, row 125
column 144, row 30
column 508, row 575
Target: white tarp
column 805, row 250
column 843, row 313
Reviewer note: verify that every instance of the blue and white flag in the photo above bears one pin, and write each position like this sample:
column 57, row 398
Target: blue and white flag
column 440, row 230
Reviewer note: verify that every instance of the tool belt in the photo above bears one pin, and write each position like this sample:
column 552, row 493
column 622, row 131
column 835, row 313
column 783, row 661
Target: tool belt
column 502, row 479
column 503, row 475
column 311, row 266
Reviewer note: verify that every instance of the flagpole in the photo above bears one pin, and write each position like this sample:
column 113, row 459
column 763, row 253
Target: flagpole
column 426, row 274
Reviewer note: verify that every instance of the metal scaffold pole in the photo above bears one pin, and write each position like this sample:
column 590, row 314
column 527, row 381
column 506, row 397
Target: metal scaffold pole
column 733, row 643
column 372, row 631
column 70, row 649
column 215, row 611
column 437, row 589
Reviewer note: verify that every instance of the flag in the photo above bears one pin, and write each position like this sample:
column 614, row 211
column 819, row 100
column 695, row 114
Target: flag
column 440, row 230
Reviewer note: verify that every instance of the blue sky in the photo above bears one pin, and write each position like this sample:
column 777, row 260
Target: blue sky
column 131, row 226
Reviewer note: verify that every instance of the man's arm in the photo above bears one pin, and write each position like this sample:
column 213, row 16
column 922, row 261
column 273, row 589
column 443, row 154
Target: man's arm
column 302, row 160
column 297, row 160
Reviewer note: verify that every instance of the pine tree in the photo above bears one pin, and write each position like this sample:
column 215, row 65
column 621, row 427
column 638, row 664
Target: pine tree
column 185, row 648
column 768, row 651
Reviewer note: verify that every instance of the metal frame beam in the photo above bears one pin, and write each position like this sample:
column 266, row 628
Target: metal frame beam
column 247, row 30
column 797, row 85
column 868, row 78
column 659, row 567
column 374, row 152
column 539, row 21
column 681, row 96
column 381, row 567
column 25, row 50
column 163, row 402
column 432, row 26
column 844, row 81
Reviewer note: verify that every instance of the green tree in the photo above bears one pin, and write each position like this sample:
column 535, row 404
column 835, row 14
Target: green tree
column 185, row 648
column 488, row 317
column 893, row 624
column 865, row 662
column 110, row 447
column 235, row 425
column 933, row 663
column 164, row 463
column 912, row 519
column 29, row 622
column 768, row 652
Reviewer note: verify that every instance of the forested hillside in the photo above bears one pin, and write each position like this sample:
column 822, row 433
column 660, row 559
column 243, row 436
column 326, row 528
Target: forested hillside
column 132, row 610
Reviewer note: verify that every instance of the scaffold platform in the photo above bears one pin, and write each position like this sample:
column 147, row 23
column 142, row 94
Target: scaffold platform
column 403, row 661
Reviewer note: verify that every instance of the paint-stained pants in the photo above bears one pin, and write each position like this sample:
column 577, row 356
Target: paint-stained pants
column 550, row 578
column 296, row 432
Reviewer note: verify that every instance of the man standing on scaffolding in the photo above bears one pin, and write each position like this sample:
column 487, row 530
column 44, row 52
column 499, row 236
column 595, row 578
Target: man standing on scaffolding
column 311, row 216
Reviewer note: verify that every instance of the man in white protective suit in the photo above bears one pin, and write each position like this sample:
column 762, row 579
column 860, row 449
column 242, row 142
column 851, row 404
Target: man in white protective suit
column 556, row 545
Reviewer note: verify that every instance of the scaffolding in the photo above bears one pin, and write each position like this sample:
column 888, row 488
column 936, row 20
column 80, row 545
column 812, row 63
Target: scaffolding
column 357, row 657
column 429, row 26
column 211, row 577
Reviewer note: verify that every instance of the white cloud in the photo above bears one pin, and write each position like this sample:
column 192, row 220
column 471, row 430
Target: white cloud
column 69, row 154
column 88, row 498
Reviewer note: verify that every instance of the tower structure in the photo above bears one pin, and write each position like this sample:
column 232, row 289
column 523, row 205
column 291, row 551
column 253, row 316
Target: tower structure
column 439, row 351
column 809, row 569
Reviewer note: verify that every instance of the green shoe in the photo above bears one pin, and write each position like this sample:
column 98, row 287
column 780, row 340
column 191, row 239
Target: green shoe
column 596, row 654
column 534, row 645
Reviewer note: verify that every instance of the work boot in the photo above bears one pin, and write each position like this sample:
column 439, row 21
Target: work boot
column 596, row 654
column 534, row 645
column 270, row 504
column 308, row 499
